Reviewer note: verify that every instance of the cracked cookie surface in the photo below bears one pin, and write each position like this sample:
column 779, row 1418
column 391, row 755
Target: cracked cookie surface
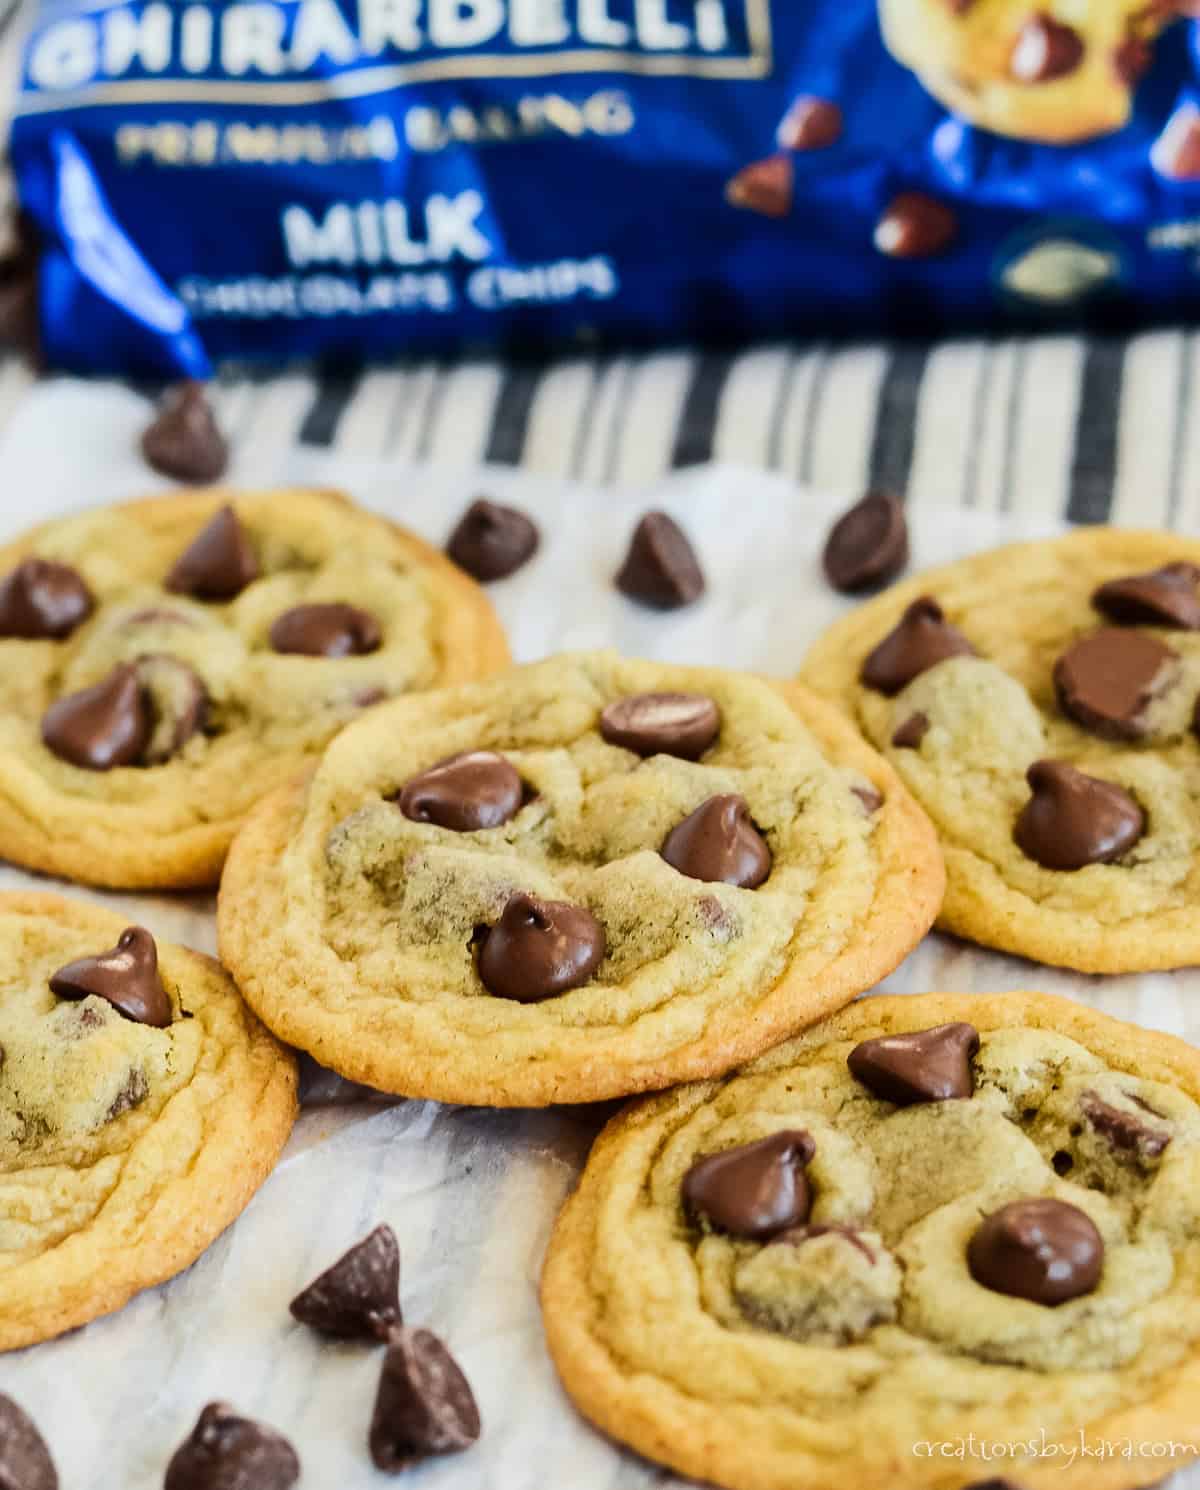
column 202, row 700
column 829, row 1352
column 514, row 928
column 125, row 1148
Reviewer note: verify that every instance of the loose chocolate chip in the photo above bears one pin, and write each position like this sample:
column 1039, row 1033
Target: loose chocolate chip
column 1042, row 1250
column 1073, row 820
column 1176, row 152
column 178, row 701
column 101, row 727
column 126, row 976
column 183, row 439
column 1163, row 597
column 424, row 1405
column 922, row 639
column 25, row 1462
column 870, row 797
column 1123, row 1130
column 757, row 1190
column 718, row 843
column 465, row 793
column 911, row 732
column 810, row 124
column 42, row 599
column 491, row 541
column 228, row 1452
column 915, row 226
column 333, row 630
column 868, row 545
column 1131, row 60
column 764, row 186
column 1106, row 681
column 679, row 724
column 929, row 1066
column 661, row 568
column 1046, row 49
column 358, row 1298
column 218, row 563
column 539, row 949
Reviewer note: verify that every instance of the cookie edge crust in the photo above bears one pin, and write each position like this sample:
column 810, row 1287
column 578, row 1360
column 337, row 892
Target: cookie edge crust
column 689, row 1436
column 912, row 880
column 236, row 1155
column 473, row 646
column 994, row 914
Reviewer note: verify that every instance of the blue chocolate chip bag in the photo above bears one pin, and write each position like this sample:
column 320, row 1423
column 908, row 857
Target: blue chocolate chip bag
column 355, row 179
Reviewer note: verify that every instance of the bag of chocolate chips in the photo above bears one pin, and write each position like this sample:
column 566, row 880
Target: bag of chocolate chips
column 353, row 179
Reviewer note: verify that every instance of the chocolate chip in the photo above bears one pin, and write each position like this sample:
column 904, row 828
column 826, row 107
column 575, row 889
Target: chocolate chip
column 868, row 545
column 101, row 727
column 801, row 1234
column 1042, row 1250
column 465, row 793
column 331, row 630
column 1163, row 597
column 424, row 1406
column 1176, row 152
column 539, row 949
column 178, row 701
column 915, row 226
column 757, row 1190
column 358, row 1298
column 228, row 1452
column 183, row 439
column 1123, row 1130
column 931, row 1065
column 1131, row 60
column 42, row 599
column 132, row 1094
column 661, row 568
column 491, row 541
column 911, row 732
column 719, row 844
column 679, row 724
column 126, row 977
column 1073, row 820
column 1045, row 50
column 922, row 639
column 218, row 563
column 1106, row 681
column 870, row 797
column 994, row 1485
column 764, row 186
column 25, row 1462
column 810, row 124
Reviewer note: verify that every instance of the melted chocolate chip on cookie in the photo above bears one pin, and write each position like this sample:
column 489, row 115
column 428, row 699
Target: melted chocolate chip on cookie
column 757, row 1191
column 1042, row 1250
column 184, row 440
column 539, row 949
column 465, row 793
column 178, row 702
column 719, row 844
column 661, row 568
column 931, row 1065
column 424, row 1405
column 101, row 727
column 1107, row 681
column 41, row 599
column 126, row 977
column 25, row 1462
column 491, row 541
column 1046, row 49
column 1073, row 820
column 218, row 563
column 358, row 1298
column 1124, row 1131
column 679, row 724
column 921, row 640
column 229, row 1452
column 326, row 630
column 911, row 732
column 1162, row 597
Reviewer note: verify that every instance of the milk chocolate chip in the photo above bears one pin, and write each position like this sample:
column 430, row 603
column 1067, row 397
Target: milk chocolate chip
column 764, row 186
column 1107, row 681
column 870, row 796
column 868, row 545
column 228, row 1452
column 218, row 563
column 327, row 630
column 718, row 843
column 358, row 1298
column 1131, row 60
column 25, row 1462
column 424, row 1406
column 491, row 541
column 679, row 724
column 101, row 727
column 661, row 568
column 810, row 124
column 178, row 702
column 757, row 1191
column 42, row 599
column 911, row 732
column 1163, row 597
column 183, row 439
column 1046, row 49
column 539, row 949
column 1073, row 820
column 922, row 639
column 465, row 793
column 929, row 1066
column 1124, row 1131
column 126, row 977
column 915, row 226
column 1042, row 1250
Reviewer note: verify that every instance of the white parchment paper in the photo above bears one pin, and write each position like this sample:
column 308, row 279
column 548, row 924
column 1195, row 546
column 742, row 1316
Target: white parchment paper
column 471, row 1194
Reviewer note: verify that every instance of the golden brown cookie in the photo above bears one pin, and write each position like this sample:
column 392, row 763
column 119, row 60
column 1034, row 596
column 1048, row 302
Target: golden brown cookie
column 1039, row 702
column 626, row 874
column 167, row 663
column 141, row 1106
column 918, row 1246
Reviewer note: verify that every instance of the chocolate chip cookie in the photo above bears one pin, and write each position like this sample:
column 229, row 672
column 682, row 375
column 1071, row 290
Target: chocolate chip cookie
column 167, row 663
column 141, row 1106
column 1056, row 72
column 1040, row 702
column 926, row 1222
column 581, row 879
